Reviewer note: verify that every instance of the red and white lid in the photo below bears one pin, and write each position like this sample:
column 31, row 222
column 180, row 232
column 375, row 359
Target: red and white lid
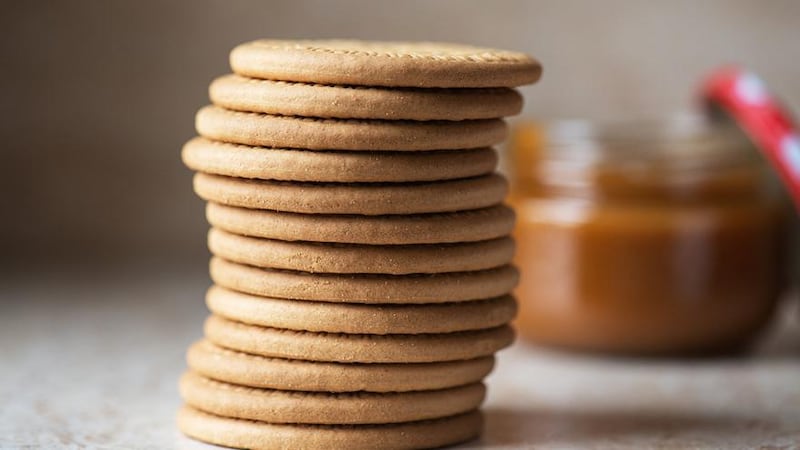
column 745, row 98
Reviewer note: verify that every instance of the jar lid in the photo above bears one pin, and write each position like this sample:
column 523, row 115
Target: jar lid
column 741, row 96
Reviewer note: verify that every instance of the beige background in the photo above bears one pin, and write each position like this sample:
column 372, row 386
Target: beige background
column 98, row 96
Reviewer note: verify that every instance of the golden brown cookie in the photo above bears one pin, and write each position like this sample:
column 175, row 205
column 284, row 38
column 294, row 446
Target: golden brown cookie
column 356, row 348
column 256, row 435
column 437, row 228
column 367, row 199
column 357, row 258
column 345, row 134
column 417, row 64
column 287, row 98
column 357, row 318
column 326, row 408
column 365, row 288
column 208, row 156
column 245, row 369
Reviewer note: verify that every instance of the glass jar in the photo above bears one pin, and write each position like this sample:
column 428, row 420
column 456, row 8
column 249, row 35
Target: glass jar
column 644, row 238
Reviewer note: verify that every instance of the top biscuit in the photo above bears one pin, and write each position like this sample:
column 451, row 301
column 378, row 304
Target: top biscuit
column 393, row 64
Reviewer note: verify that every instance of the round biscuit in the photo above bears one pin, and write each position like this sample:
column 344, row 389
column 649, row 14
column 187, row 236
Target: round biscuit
column 310, row 133
column 355, row 318
column 326, row 408
column 365, row 288
column 288, row 98
column 204, row 155
column 252, row 434
column 380, row 63
column 366, row 199
column 245, row 369
column 356, row 348
column 320, row 257
column 436, row 228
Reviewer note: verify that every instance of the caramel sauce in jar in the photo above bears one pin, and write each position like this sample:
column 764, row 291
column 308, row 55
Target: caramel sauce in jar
column 644, row 238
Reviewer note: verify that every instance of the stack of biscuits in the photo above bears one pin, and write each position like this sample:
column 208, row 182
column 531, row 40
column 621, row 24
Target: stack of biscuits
column 361, row 249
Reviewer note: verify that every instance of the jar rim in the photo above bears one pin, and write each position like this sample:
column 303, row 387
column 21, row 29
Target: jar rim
column 677, row 159
column 671, row 143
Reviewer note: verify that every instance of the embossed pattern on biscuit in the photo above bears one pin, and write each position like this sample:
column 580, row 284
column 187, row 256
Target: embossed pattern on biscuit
column 416, row 64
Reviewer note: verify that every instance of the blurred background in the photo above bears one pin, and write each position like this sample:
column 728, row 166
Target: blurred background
column 103, row 259
column 99, row 96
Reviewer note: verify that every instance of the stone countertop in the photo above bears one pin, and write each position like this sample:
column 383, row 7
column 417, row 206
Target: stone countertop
column 89, row 361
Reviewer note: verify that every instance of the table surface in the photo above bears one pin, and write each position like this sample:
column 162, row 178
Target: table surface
column 90, row 361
